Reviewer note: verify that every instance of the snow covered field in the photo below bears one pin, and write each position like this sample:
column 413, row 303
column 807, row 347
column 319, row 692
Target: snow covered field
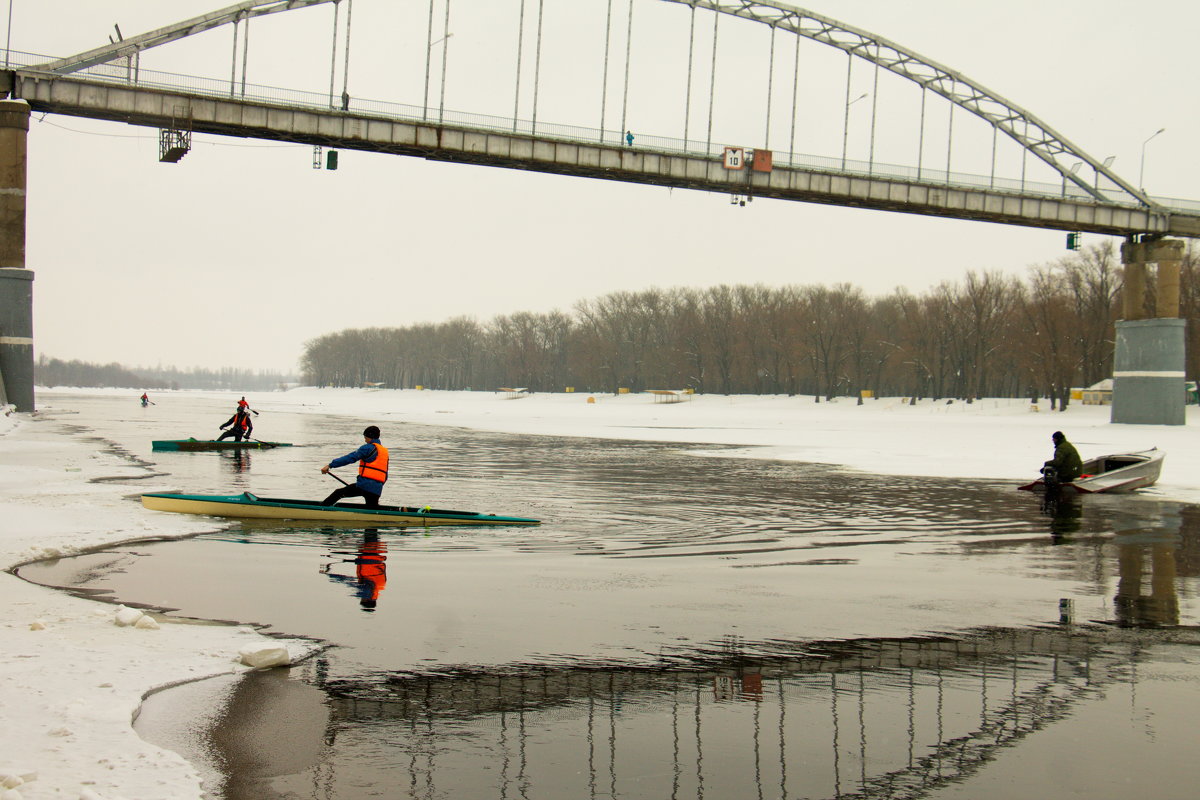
column 71, row 678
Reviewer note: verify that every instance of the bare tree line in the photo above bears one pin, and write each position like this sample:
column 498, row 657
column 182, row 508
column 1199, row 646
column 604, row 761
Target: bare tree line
column 52, row 372
column 987, row 335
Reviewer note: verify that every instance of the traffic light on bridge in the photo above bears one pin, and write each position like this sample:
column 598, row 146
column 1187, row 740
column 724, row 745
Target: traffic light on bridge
column 331, row 159
column 1073, row 241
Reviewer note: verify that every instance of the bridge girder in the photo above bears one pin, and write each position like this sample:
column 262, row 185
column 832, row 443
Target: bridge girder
column 1018, row 124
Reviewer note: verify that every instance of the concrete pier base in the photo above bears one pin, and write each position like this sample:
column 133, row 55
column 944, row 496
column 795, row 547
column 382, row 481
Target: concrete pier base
column 16, row 282
column 16, row 337
column 1148, row 373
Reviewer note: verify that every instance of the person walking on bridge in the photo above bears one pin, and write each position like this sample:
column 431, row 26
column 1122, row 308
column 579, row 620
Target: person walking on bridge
column 372, row 470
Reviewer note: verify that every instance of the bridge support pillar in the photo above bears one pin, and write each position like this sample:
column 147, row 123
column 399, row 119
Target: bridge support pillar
column 16, row 282
column 1148, row 369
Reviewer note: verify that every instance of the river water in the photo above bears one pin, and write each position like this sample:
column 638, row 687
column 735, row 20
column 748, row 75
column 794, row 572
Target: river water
column 679, row 625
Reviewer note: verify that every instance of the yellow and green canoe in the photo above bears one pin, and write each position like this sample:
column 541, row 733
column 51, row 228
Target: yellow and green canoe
column 249, row 506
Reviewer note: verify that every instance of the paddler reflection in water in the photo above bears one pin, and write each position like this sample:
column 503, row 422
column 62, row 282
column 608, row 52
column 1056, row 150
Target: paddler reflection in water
column 370, row 570
column 372, row 470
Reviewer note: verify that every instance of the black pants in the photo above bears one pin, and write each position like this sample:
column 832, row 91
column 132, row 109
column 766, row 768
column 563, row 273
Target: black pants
column 236, row 434
column 370, row 499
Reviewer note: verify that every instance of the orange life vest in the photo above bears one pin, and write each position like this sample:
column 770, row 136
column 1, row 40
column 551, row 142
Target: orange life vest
column 377, row 468
column 242, row 420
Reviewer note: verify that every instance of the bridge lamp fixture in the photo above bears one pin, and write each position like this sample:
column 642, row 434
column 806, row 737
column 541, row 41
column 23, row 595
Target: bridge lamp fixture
column 1142, row 168
column 846, row 125
column 1075, row 169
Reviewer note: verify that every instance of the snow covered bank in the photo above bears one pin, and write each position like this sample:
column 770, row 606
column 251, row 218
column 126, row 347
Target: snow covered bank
column 72, row 675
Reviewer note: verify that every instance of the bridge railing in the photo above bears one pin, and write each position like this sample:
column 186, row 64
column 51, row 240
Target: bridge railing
column 125, row 73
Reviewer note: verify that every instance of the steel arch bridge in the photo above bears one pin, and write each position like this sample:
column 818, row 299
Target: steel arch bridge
column 96, row 84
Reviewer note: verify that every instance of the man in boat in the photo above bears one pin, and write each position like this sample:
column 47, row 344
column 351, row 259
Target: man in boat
column 243, row 405
column 1066, row 464
column 239, row 426
column 372, row 460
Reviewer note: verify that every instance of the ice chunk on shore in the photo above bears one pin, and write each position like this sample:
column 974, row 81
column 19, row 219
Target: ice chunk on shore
column 12, row 778
column 263, row 657
column 127, row 616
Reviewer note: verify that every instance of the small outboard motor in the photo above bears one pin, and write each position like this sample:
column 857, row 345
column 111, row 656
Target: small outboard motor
column 1050, row 477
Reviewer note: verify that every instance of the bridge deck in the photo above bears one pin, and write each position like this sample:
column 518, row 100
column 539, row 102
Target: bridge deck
column 354, row 130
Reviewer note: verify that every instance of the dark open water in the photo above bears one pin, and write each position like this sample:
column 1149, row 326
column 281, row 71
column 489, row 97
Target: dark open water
column 678, row 626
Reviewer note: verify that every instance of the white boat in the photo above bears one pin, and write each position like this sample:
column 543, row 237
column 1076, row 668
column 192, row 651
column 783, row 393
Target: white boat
column 1120, row 472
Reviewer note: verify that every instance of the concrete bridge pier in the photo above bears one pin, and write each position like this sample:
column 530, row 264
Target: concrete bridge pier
column 16, row 282
column 1148, row 369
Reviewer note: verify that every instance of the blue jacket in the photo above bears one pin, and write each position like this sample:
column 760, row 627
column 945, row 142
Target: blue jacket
column 364, row 453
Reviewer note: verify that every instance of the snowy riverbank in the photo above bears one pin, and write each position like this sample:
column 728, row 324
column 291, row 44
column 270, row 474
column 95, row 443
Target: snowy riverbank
column 71, row 679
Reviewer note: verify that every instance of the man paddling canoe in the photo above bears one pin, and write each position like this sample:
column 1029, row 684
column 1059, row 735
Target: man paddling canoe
column 372, row 470
column 239, row 426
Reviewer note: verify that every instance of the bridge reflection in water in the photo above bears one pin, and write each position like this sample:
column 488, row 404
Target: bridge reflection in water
column 856, row 718
column 874, row 718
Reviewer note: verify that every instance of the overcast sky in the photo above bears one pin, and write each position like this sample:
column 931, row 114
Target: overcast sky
column 242, row 251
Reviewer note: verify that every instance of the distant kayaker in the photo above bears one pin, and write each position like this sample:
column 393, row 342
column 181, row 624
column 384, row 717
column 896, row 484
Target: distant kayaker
column 240, row 426
column 372, row 470
column 145, row 399
column 242, row 404
column 1067, row 464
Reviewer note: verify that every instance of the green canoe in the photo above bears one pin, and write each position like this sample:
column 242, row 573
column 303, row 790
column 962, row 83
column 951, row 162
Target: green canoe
column 213, row 444
column 249, row 506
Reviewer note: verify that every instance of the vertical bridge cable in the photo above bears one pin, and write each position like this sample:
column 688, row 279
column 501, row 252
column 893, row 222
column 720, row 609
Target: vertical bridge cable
column 992, row 181
column 687, row 102
column 346, row 67
column 333, row 52
column 428, row 56
column 233, row 60
column 950, row 143
column 921, row 137
column 445, row 60
column 795, row 101
column 517, row 88
column 245, row 53
column 770, row 90
column 8, row 35
column 537, row 64
column 846, row 118
column 628, row 51
column 604, row 74
column 712, row 81
column 874, row 108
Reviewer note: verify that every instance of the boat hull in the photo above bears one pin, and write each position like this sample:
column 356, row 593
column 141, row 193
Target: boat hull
column 1112, row 474
column 212, row 444
column 248, row 506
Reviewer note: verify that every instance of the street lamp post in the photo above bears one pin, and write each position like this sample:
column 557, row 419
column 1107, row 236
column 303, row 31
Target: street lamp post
column 1142, row 168
column 846, row 125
